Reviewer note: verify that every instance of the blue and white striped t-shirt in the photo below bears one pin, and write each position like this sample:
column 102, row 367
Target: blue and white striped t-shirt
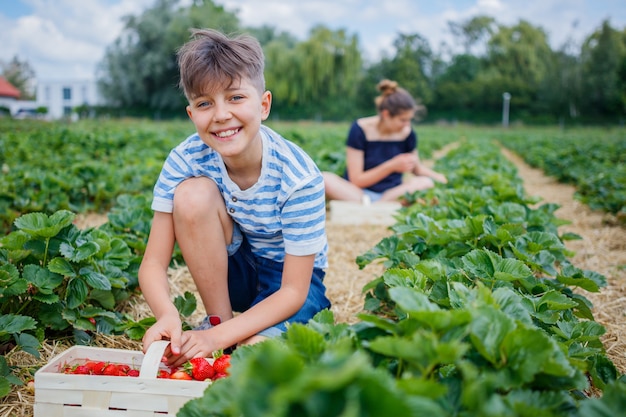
column 284, row 212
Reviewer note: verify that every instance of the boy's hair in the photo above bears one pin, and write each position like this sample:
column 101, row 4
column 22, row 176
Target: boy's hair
column 212, row 60
column 393, row 98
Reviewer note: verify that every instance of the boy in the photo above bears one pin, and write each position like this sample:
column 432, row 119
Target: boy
column 246, row 207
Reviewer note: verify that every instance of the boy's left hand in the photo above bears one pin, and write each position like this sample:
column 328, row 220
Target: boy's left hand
column 194, row 344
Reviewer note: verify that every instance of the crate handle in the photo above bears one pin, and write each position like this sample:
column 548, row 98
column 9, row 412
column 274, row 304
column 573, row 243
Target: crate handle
column 152, row 359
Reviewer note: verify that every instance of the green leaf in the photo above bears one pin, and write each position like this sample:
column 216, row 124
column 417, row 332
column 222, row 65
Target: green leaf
column 539, row 403
column 571, row 236
column 431, row 353
column 11, row 284
column 611, row 404
column 51, row 315
column 529, row 352
column 509, row 269
column 49, row 298
column 512, row 304
column 186, row 304
column 4, row 366
column 13, row 324
column 80, row 253
column 103, row 297
column 306, row 341
column 488, row 330
column 5, row 386
column 402, row 277
column 61, row 266
column 83, row 324
column 420, row 387
column 411, row 300
column 382, row 323
column 136, row 330
column 489, row 266
column 555, row 300
column 43, row 279
column 587, row 280
column 581, row 331
column 77, row 291
column 40, row 225
column 15, row 241
column 28, row 343
column 95, row 279
column 509, row 212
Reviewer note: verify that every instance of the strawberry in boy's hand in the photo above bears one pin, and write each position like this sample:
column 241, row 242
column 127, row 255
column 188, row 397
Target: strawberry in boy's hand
column 200, row 369
column 163, row 374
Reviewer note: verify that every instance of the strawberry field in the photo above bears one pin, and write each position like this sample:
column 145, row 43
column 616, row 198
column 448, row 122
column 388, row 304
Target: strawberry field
column 479, row 310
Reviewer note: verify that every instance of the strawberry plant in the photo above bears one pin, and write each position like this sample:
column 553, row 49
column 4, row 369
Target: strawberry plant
column 59, row 279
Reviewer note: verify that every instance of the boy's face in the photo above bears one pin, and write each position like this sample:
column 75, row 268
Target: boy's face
column 228, row 120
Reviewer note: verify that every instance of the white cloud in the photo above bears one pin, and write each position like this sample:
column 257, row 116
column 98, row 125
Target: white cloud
column 65, row 37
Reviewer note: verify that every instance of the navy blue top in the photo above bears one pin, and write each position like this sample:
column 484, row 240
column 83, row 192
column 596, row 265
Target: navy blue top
column 375, row 152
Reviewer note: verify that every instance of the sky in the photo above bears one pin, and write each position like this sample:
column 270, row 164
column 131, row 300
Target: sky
column 65, row 39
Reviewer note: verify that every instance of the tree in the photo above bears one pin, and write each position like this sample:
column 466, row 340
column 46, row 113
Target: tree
column 139, row 71
column 560, row 89
column 454, row 89
column 317, row 77
column 21, row 75
column 473, row 31
column 602, row 58
column 412, row 66
column 518, row 58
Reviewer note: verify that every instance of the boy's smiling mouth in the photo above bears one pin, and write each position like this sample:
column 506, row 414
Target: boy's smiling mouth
column 226, row 133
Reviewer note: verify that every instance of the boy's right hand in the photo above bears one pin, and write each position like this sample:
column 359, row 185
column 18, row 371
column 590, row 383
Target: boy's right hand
column 166, row 328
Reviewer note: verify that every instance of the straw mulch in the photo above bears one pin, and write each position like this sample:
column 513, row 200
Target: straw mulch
column 602, row 249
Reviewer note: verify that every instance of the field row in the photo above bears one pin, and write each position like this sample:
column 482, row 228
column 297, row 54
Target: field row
column 86, row 166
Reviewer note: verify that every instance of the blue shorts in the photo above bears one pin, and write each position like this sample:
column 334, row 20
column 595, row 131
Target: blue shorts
column 373, row 195
column 252, row 279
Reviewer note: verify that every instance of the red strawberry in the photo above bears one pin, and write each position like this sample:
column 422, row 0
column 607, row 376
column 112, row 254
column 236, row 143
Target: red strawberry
column 96, row 368
column 123, row 368
column 111, row 370
column 30, row 386
column 133, row 372
column 200, row 369
column 180, row 374
column 81, row 370
column 221, row 363
column 163, row 374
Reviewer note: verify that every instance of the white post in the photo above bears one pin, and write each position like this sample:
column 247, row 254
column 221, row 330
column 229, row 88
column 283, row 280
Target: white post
column 505, row 109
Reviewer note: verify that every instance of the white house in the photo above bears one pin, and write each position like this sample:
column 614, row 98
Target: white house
column 60, row 97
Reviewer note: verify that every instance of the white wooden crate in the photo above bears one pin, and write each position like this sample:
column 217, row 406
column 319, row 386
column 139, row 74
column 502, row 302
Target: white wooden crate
column 347, row 212
column 65, row 395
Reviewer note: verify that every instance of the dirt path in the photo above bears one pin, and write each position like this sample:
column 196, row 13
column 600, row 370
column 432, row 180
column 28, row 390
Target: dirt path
column 602, row 249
